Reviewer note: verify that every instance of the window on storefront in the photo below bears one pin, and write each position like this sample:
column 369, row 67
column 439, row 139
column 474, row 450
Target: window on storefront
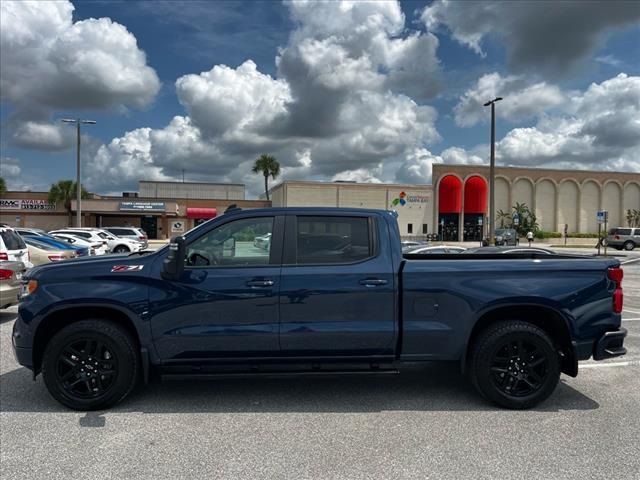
column 425, row 229
column 410, row 228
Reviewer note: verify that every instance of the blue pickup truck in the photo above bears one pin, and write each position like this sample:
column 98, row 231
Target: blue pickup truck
column 331, row 293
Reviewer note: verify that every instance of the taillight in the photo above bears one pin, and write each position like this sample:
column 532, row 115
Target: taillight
column 616, row 274
column 56, row 258
column 4, row 256
column 5, row 274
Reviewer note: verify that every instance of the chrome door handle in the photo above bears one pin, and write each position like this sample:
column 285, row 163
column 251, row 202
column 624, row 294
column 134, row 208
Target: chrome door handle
column 372, row 282
column 260, row 283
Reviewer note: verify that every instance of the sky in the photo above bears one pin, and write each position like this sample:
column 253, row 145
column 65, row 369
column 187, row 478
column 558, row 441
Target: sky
column 342, row 90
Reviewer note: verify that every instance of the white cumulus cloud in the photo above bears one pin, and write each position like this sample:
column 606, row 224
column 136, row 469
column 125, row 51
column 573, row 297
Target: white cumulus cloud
column 521, row 99
column 48, row 63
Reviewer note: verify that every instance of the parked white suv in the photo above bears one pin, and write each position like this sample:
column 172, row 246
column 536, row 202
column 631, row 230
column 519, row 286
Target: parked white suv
column 13, row 248
column 114, row 244
column 95, row 247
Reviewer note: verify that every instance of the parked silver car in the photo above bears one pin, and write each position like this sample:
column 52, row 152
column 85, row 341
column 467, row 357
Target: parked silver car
column 623, row 238
column 10, row 277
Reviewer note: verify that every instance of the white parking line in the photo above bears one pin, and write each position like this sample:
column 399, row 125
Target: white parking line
column 626, row 262
column 631, row 319
column 630, row 363
column 630, row 311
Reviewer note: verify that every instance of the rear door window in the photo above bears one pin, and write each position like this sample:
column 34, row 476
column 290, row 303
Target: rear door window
column 332, row 240
column 623, row 231
column 12, row 240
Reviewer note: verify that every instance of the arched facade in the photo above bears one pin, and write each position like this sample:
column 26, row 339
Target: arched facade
column 612, row 203
column 631, row 197
column 568, row 206
column 546, row 204
column 522, row 192
column 475, row 207
column 590, row 198
column 558, row 197
column 449, row 207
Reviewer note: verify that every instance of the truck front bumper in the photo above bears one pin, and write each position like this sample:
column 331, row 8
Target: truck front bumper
column 21, row 342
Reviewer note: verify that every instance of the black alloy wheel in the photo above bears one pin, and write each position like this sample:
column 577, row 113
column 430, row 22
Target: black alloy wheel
column 519, row 368
column 120, row 249
column 91, row 364
column 515, row 364
column 86, row 368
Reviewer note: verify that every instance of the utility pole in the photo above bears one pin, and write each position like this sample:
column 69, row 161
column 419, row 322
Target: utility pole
column 78, row 121
column 492, row 173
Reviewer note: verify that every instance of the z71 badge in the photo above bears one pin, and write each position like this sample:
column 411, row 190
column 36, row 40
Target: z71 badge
column 126, row 268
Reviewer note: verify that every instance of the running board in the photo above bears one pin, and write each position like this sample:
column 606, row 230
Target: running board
column 276, row 374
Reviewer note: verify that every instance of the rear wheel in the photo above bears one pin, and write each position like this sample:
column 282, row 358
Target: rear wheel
column 629, row 245
column 90, row 365
column 121, row 249
column 515, row 364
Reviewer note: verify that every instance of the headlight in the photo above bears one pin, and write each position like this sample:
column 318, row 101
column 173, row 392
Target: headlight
column 28, row 287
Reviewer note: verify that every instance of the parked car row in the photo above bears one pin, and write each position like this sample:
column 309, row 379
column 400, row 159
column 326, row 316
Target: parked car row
column 33, row 246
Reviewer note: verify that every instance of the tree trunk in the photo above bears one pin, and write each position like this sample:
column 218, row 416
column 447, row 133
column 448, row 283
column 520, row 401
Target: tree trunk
column 266, row 185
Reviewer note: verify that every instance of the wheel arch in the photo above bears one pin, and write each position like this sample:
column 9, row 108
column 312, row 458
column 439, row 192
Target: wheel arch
column 549, row 319
column 63, row 316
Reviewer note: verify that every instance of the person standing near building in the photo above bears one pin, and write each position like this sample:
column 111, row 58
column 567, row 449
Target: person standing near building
column 530, row 237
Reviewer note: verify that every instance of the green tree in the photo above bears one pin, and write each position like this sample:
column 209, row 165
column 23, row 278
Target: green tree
column 633, row 218
column 3, row 186
column 503, row 217
column 527, row 219
column 269, row 167
column 63, row 192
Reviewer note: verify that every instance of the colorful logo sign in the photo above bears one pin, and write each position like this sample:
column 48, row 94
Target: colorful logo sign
column 400, row 200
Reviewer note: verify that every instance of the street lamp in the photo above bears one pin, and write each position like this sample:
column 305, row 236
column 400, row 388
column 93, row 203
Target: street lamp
column 492, row 167
column 78, row 121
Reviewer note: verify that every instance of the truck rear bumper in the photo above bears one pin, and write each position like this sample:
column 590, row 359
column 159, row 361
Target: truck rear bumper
column 609, row 345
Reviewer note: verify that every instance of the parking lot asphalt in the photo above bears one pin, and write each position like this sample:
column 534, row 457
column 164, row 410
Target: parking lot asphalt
column 424, row 423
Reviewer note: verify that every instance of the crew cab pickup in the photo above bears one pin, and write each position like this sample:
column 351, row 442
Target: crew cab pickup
column 331, row 293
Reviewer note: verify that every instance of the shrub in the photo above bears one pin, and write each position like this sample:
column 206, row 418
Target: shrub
column 541, row 234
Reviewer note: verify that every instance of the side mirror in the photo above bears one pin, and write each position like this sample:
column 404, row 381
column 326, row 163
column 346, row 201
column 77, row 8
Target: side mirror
column 173, row 264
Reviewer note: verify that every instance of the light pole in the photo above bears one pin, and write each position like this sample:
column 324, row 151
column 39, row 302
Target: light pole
column 78, row 121
column 492, row 167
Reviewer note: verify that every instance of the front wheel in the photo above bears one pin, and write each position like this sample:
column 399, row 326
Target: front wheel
column 90, row 365
column 515, row 364
column 121, row 249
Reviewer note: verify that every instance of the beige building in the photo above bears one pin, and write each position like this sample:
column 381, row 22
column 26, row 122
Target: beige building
column 558, row 197
column 414, row 203
column 158, row 213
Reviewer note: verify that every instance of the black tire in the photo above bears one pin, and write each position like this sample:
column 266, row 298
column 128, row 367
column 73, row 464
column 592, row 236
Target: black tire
column 499, row 368
column 121, row 249
column 75, row 356
column 629, row 245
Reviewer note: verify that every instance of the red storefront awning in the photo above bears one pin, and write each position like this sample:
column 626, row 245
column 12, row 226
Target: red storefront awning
column 205, row 213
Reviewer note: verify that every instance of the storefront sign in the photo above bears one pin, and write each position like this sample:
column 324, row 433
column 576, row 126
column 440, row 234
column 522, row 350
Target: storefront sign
column 404, row 198
column 142, row 206
column 11, row 204
column 177, row 227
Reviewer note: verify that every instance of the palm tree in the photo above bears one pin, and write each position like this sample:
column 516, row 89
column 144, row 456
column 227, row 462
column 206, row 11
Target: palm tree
column 63, row 192
column 3, row 186
column 269, row 167
column 502, row 216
